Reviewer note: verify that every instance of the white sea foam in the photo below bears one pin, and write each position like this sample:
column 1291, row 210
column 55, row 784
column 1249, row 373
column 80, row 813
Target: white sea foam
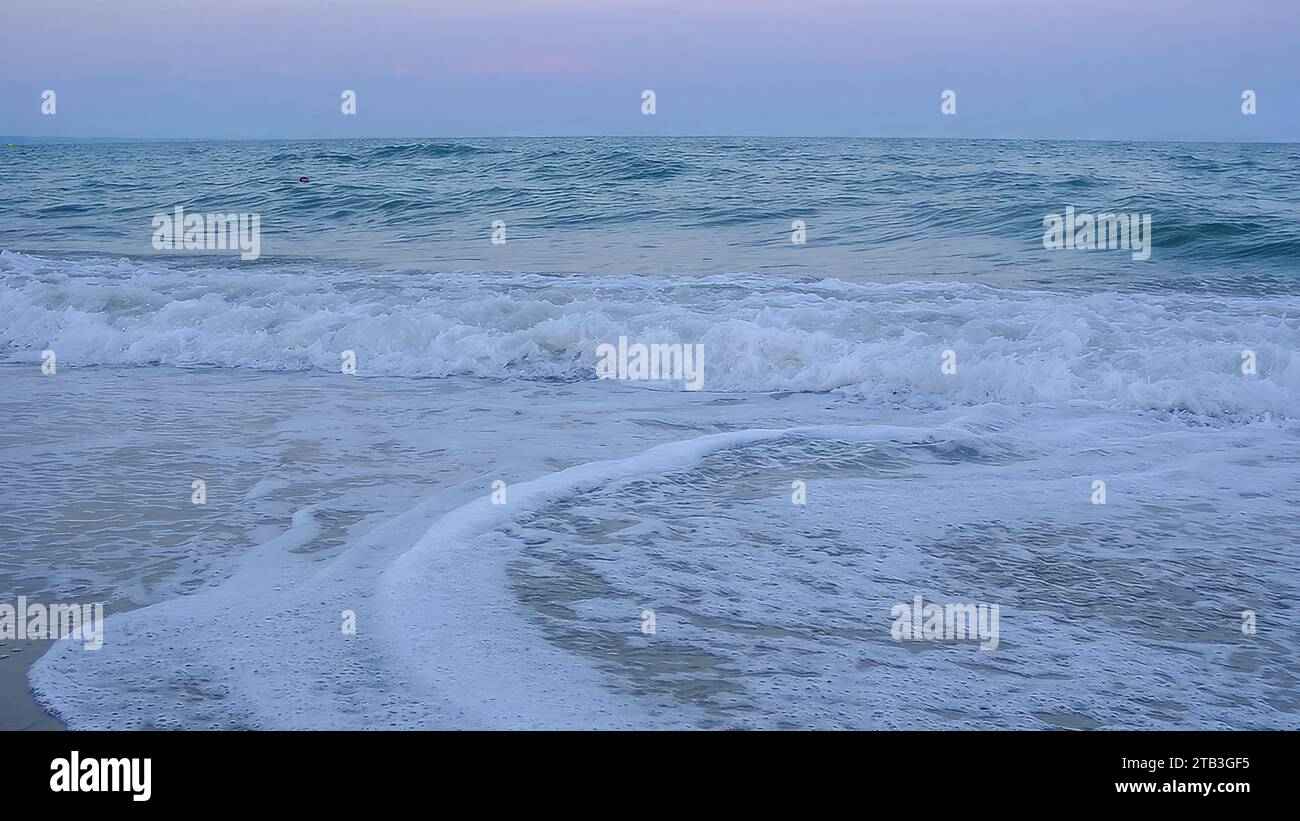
column 769, row 616
column 436, row 649
column 881, row 343
column 765, row 611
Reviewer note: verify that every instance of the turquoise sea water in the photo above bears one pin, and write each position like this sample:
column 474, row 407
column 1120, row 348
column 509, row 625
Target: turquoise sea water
column 1225, row 215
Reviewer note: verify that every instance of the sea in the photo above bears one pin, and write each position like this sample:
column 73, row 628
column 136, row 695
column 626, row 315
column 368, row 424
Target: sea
column 371, row 476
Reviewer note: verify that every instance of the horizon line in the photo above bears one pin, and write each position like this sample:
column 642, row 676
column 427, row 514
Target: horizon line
column 84, row 140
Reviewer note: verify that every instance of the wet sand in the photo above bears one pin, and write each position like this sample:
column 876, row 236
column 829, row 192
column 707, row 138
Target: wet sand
column 18, row 709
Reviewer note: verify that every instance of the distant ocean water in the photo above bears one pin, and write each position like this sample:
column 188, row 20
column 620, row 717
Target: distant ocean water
column 476, row 362
column 1226, row 216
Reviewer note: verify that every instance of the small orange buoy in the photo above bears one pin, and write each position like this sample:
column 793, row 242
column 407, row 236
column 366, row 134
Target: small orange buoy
column 304, row 179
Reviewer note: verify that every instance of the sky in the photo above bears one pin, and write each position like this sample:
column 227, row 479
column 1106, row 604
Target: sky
column 1047, row 69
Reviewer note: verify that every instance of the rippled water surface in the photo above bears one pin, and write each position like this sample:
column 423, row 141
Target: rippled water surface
column 1226, row 217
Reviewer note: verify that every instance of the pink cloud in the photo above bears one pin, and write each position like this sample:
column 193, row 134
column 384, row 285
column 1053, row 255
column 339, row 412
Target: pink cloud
column 512, row 64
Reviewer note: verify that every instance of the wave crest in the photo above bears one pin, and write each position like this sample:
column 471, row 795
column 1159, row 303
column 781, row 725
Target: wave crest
column 880, row 343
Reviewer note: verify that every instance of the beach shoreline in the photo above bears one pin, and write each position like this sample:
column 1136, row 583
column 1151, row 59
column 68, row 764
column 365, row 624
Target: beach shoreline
column 19, row 709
